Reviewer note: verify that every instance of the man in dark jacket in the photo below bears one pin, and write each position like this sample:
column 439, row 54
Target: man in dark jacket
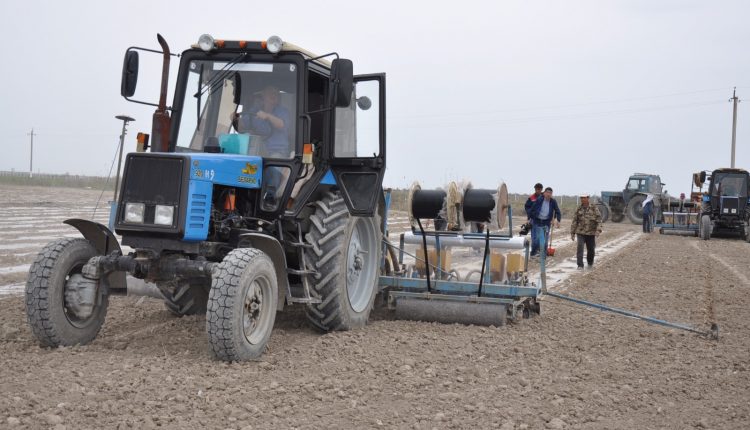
column 527, row 206
column 544, row 212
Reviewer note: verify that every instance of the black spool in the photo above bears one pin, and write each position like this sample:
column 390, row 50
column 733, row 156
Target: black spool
column 427, row 204
column 478, row 205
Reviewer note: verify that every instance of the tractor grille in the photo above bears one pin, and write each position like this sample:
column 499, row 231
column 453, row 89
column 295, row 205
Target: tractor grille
column 153, row 179
column 730, row 206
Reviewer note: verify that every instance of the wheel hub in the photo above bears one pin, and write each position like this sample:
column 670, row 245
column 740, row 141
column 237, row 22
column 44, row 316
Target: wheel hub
column 253, row 304
column 80, row 297
column 361, row 267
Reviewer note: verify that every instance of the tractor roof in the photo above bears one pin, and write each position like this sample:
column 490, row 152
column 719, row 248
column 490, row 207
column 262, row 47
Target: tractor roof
column 221, row 44
column 729, row 170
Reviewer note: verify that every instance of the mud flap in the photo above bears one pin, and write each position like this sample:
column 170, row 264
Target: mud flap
column 105, row 242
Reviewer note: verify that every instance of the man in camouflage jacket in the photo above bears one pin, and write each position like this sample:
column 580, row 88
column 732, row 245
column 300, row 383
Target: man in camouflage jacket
column 586, row 224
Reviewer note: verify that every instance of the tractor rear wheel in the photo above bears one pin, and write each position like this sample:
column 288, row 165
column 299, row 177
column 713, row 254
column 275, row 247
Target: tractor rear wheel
column 188, row 298
column 747, row 232
column 604, row 210
column 64, row 308
column 345, row 251
column 241, row 305
column 705, row 227
column 635, row 209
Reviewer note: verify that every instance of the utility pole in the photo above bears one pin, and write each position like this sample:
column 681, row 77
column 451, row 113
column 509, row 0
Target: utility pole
column 125, row 120
column 734, row 101
column 31, row 154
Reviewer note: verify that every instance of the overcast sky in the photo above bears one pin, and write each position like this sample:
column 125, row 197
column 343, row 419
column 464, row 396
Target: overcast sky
column 575, row 94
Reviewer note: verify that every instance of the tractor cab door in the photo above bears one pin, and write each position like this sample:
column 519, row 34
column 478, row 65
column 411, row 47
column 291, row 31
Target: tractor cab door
column 358, row 151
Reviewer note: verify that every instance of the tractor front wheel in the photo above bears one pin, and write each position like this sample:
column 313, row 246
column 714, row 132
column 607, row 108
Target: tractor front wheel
column 241, row 305
column 635, row 209
column 345, row 251
column 64, row 308
column 604, row 211
column 705, row 227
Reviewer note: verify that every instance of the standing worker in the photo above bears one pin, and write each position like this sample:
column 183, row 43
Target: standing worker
column 544, row 213
column 648, row 210
column 527, row 206
column 587, row 225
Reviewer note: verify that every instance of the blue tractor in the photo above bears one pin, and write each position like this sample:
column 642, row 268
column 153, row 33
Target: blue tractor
column 726, row 202
column 262, row 189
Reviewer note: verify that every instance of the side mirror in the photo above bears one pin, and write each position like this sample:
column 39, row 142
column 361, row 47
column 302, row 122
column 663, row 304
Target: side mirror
column 129, row 74
column 364, row 103
column 342, row 76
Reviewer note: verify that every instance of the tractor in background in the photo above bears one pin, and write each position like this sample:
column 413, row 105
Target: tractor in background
column 726, row 202
column 262, row 189
column 616, row 205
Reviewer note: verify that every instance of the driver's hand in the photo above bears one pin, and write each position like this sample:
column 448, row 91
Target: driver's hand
column 261, row 115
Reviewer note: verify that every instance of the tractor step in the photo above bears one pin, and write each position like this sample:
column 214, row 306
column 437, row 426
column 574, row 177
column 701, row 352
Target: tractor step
column 300, row 244
column 297, row 294
column 299, row 272
column 304, row 300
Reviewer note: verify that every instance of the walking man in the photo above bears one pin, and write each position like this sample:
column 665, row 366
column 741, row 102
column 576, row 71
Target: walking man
column 527, row 206
column 544, row 212
column 586, row 225
column 648, row 210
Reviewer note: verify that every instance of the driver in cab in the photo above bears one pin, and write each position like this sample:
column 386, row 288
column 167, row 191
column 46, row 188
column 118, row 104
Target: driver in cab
column 270, row 120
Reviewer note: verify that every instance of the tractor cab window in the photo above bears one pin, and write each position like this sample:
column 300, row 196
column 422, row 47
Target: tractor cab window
column 730, row 185
column 240, row 108
column 358, row 125
column 635, row 184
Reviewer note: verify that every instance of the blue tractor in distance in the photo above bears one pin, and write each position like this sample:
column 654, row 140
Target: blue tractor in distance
column 726, row 202
column 262, row 189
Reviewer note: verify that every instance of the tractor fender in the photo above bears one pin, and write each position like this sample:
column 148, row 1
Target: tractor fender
column 105, row 242
column 271, row 247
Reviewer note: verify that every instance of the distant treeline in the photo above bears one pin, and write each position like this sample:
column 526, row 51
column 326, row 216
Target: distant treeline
column 56, row 180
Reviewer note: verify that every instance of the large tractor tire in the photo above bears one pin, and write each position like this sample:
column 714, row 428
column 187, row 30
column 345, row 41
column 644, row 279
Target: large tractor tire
column 747, row 231
column 634, row 210
column 188, row 298
column 604, row 211
column 705, row 227
column 59, row 311
column 241, row 305
column 345, row 250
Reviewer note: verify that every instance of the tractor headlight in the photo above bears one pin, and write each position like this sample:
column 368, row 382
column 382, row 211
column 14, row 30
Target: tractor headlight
column 134, row 212
column 164, row 215
column 274, row 44
column 206, row 42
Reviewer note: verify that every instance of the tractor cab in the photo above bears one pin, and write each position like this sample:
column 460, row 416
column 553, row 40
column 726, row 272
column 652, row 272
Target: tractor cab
column 728, row 192
column 259, row 128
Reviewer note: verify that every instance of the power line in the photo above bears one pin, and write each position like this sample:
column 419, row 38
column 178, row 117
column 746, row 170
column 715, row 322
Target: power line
column 571, row 116
column 562, row 106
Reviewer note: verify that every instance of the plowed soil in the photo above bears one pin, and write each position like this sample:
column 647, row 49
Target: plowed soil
column 571, row 367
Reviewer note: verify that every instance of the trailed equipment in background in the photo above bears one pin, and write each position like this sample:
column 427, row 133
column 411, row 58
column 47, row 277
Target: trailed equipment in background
column 681, row 218
column 431, row 291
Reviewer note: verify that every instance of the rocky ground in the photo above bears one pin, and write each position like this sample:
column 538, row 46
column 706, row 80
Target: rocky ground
column 571, row 367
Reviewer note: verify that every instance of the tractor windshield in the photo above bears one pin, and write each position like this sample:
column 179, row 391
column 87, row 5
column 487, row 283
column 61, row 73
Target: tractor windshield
column 246, row 108
column 730, row 184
